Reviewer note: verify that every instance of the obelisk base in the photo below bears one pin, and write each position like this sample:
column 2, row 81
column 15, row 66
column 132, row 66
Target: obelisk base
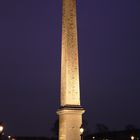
column 70, row 121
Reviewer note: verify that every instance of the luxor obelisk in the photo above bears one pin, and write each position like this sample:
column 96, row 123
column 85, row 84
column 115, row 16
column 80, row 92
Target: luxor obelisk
column 70, row 112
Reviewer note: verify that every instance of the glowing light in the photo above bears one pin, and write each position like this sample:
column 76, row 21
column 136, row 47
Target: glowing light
column 81, row 130
column 132, row 137
column 1, row 128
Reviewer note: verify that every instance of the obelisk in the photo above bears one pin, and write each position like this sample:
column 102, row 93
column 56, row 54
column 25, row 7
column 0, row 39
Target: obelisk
column 70, row 112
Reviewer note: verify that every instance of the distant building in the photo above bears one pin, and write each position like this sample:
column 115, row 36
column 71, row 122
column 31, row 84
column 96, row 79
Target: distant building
column 25, row 138
column 133, row 134
column 31, row 138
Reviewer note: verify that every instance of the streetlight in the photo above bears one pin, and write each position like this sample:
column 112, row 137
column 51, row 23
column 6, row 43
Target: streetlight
column 9, row 137
column 81, row 132
column 132, row 137
column 1, row 130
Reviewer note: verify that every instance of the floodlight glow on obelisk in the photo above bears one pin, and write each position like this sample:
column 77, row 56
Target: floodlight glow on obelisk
column 70, row 112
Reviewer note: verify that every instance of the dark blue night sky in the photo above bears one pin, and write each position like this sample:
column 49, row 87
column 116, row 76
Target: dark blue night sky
column 30, row 51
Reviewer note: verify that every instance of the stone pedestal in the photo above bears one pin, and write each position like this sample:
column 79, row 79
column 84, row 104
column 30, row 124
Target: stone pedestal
column 70, row 121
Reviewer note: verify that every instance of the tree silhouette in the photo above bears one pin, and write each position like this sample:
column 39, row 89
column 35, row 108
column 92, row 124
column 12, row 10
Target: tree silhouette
column 55, row 128
column 101, row 128
column 130, row 127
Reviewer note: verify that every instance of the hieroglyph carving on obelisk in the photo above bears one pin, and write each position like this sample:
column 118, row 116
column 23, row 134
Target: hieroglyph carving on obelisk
column 70, row 112
column 70, row 91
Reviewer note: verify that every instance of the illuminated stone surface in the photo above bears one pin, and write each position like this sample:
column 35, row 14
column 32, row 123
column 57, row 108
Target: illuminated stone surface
column 70, row 121
column 70, row 113
column 70, row 94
